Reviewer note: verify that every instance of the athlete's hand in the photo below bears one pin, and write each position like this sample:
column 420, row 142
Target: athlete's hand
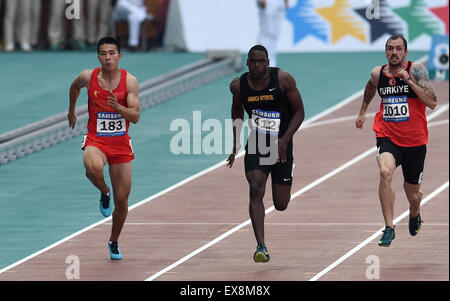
column 112, row 101
column 72, row 118
column 230, row 160
column 360, row 121
column 401, row 73
column 282, row 149
column 231, row 157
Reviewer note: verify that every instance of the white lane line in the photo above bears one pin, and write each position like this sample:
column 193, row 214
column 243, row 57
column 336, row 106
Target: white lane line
column 436, row 123
column 267, row 224
column 185, row 181
column 267, row 211
column 336, row 120
column 342, row 103
column 248, row 222
column 441, row 108
column 375, row 235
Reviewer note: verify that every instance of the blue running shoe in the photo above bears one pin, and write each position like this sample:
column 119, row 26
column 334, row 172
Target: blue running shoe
column 261, row 254
column 388, row 236
column 114, row 250
column 105, row 207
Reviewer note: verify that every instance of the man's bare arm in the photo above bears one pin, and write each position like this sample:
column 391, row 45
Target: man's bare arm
column 132, row 112
column 369, row 93
column 81, row 81
column 237, row 115
column 421, row 85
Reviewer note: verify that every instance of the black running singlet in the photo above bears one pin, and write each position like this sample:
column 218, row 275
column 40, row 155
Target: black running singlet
column 268, row 110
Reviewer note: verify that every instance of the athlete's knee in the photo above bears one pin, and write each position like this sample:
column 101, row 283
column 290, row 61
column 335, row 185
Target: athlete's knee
column 92, row 173
column 386, row 174
column 281, row 205
column 256, row 191
column 121, row 205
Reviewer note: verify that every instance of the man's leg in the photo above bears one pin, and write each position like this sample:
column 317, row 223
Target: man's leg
column 94, row 161
column 414, row 197
column 282, row 175
column 386, row 163
column 121, row 183
column 257, row 182
column 281, row 195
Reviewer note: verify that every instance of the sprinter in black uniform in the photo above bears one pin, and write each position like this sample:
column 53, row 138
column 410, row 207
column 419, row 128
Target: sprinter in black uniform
column 275, row 112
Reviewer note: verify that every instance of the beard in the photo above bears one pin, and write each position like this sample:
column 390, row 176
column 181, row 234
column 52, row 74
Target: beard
column 396, row 64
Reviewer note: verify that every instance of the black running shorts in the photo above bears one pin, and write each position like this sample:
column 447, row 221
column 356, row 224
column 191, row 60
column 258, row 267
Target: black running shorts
column 412, row 159
column 281, row 173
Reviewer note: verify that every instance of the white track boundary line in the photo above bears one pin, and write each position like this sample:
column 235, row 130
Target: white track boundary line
column 376, row 234
column 342, row 103
column 271, row 224
column 185, row 181
column 267, row 211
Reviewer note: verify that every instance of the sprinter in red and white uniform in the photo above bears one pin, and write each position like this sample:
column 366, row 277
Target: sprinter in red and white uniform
column 113, row 104
column 400, row 129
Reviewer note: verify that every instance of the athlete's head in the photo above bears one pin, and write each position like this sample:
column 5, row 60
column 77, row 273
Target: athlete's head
column 258, row 60
column 396, row 50
column 108, row 49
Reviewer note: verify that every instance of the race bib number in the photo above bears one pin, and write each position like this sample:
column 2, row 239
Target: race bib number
column 267, row 122
column 395, row 108
column 110, row 124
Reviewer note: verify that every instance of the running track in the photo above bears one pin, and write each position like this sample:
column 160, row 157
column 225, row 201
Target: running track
column 199, row 229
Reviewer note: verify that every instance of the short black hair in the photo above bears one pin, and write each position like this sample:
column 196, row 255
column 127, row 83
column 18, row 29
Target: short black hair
column 395, row 37
column 108, row 40
column 260, row 48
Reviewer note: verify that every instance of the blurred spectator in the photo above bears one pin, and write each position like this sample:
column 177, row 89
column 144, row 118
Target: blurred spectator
column 271, row 16
column 155, row 30
column 101, row 29
column 56, row 26
column 161, row 21
column 17, row 17
column 134, row 12
column 35, row 22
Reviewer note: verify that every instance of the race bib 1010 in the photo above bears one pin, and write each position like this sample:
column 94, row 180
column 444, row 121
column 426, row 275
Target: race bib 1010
column 395, row 108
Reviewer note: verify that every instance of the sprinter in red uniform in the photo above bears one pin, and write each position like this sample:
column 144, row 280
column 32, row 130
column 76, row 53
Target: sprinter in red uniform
column 113, row 104
column 400, row 129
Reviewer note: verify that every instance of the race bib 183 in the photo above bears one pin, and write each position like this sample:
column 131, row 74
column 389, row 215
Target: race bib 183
column 395, row 108
column 267, row 122
column 110, row 124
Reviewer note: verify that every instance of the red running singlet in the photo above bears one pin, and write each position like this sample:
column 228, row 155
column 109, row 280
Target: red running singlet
column 401, row 118
column 107, row 129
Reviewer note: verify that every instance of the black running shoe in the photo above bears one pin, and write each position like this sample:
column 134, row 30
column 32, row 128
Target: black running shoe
column 415, row 224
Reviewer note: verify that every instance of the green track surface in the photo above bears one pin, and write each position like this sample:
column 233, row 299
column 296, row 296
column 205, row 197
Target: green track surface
column 45, row 197
column 36, row 85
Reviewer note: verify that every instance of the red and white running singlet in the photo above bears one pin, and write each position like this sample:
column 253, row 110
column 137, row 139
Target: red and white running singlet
column 401, row 118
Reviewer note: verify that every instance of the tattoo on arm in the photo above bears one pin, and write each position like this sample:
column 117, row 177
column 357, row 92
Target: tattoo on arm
column 420, row 74
column 369, row 91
